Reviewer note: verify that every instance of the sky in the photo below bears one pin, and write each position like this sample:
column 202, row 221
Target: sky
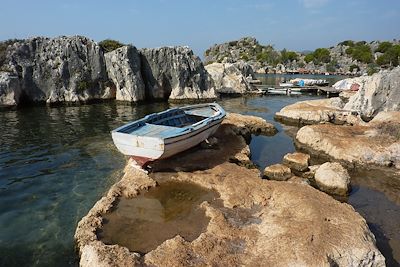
column 293, row 24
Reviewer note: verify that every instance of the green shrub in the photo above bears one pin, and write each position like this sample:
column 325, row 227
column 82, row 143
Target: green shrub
column 372, row 68
column 390, row 57
column 353, row 67
column 383, row 47
column 308, row 58
column 288, row 56
column 321, row 55
column 109, row 45
column 361, row 52
column 347, row 43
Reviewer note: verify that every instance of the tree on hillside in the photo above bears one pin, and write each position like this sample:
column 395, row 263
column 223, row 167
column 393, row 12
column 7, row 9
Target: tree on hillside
column 390, row 57
column 361, row 52
column 288, row 56
column 383, row 47
column 321, row 55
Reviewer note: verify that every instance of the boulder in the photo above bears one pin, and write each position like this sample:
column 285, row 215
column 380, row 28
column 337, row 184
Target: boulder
column 379, row 92
column 228, row 79
column 297, row 161
column 124, row 69
column 175, row 73
column 278, row 172
column 10, row 89
column 333, row 179
column 299, row 180
column 317, row 111
column 61, row 69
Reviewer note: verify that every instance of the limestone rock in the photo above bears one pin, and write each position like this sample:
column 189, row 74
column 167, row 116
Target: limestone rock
column 228, row 79
column 257, row 223
column 278, row 172
column 299, row 180
column 175, row 73
column 124, row 69
column 297, row 161
column 317, row 111
column 10, row 89
column 61, row 69
column 379, row 92
column 376, row 142
column 333, row 179
column 247, row 124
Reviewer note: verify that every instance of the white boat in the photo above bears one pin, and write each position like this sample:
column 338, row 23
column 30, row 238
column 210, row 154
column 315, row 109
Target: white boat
column 286, row 84
column 164, row 134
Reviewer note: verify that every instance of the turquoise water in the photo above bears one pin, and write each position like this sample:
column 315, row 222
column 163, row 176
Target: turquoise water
column 55, row 163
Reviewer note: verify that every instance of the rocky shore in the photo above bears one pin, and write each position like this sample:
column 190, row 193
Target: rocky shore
column 359, row 130
column 254, row 221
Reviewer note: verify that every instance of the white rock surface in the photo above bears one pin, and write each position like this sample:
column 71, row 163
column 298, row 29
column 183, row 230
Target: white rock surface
column 124, row 69
column 228, row 79
column 333, row 179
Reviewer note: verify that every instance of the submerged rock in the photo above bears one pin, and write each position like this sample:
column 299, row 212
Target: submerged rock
column 333, row 179
column 124, row 69
column 228, row 78
column 175, row 73
column 258, row 222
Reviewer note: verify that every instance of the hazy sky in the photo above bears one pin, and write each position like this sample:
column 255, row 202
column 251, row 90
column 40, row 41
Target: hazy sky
column 293, row 24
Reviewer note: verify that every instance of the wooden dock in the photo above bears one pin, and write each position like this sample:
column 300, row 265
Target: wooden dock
column 296, row 90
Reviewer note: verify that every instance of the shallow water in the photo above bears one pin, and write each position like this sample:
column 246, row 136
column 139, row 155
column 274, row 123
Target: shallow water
column 55, row 163
column 144, row 222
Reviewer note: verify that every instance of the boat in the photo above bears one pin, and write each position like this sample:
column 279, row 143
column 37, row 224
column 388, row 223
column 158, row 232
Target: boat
column 164, row 134
column 285, row 84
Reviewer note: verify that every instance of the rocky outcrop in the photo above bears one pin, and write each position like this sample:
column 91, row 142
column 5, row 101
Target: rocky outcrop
column 62, row 69
column 175, row 73
column 317, row 111
column 228, row 79
column 124, row 69
column 379, row 92
column 75, row 69
column 374, row 143
column 258, row 222
column 10, row 89
column 333, row 179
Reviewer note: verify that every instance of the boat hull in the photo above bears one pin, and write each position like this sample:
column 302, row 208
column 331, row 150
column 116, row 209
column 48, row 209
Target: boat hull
column 151, row 142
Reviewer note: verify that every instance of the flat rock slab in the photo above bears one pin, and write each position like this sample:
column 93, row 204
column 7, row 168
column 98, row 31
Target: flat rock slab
column 317, row 111
column 333, row 179
column 297, row 161
column 278, row 172
column 375, row 143
column 258, row 222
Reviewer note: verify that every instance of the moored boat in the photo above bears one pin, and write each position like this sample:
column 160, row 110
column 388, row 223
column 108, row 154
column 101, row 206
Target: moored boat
column 164, row 134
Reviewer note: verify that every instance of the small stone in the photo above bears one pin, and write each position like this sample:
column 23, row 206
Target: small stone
column 311, row 172
column 211, row 142
column 297, row 161
column 333, row 179
column 299, row 180
column 278, row 172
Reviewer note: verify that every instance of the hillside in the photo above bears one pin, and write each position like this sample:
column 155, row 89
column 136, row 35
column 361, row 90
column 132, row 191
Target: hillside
column 348, row 57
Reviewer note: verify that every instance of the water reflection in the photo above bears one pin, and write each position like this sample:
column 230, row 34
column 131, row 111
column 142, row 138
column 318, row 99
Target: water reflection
column 54, row 164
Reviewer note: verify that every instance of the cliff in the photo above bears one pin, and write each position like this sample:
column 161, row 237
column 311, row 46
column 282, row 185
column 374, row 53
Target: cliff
column 76, row 69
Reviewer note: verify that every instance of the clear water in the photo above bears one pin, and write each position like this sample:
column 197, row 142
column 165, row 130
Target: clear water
column 55, row 163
